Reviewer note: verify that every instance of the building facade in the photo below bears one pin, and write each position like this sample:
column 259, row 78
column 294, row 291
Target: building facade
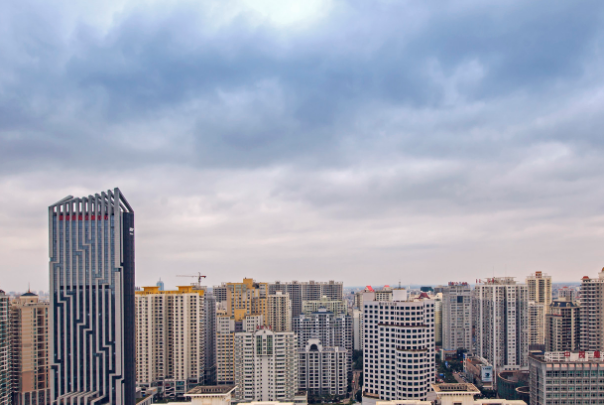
column 338, row 307
column 5, row 380
column 266, row 365
column 536, row 314
column 457, row 316
column 92, row 300
column 210, row 343
column 592, row 313
column 563, row 326
column 323, row 370
column 501, row 321
column 279, row 312
column 170, row 338
column 398, row 347
column 558, row 378
column 332, row 330
column 540, row 288
column 308, row 291
column 29, row 350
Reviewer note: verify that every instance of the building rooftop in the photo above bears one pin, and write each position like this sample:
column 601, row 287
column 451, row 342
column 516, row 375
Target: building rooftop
column 455, row 389
column 211, row 389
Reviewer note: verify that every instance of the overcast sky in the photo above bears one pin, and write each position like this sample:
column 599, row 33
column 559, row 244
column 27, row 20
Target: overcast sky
column 361, row 141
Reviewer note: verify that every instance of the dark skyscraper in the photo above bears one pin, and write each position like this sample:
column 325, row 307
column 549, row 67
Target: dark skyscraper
column 92, row 300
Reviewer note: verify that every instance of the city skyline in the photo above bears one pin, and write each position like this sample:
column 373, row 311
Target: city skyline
column 325, row 137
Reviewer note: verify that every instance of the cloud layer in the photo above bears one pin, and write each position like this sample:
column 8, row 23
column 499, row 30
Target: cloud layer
column 347, row 140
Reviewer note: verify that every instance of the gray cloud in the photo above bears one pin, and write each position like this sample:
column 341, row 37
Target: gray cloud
column 397, row 137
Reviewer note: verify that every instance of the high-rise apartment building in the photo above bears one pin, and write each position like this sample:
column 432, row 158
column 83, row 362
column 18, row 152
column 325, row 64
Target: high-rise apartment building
column 357, row 329
column 332, row 330
column 170, row 338
column 308, row 291
column 540, row 288
column 266, row 365
column 337, row 307
column 29, row 350
column 210, row 343
column 501, row 321
column 592, row 313
column 398, row 347
column 220, row 292
column 323, row 370
column 568, row 293
column 92, row 300
column 457, row 316
column 536, row 316
column 560, row 378
column 5, row 380
column 279, row 312
column 246, row 310
column 562, row 326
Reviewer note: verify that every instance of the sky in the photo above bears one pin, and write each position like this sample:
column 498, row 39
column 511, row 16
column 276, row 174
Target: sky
column 368, row 142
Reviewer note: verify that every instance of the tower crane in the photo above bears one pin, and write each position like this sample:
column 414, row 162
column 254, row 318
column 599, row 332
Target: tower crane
column 199, row 277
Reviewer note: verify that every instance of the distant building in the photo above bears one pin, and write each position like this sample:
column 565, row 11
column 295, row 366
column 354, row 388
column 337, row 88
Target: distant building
column 210, row 339
column 308, row 291
column 337, row 307
column 30, row 355
column 457, row 316
column 536, row 316
column 501, row 320
column 569, row 293
column 266, row 366
column 592, row 313
column 563, row 326
column 357, row 329
column 398, row 347
column 5, row 380
column 279, row 312
column 161, row 285
column 566, row 378
column 539, row 288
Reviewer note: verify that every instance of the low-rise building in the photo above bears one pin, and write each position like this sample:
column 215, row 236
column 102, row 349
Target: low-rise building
column 558, row 378
column 480, row 372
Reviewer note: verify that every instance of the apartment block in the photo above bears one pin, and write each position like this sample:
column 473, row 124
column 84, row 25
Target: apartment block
column 279, row 312
column 30, row 357
column 398, row 347
column 337, row 307
column 210, row 339
column 266, row 365
column 5, row 380
column 170, row 338
column 308, row 291
column 558, row 378
column 592, row 313
column 332, row 330
column 536, row 315
column 501, row 321
column 563, row 326
column 323, row 370
column 457, row 316
column 540, row 288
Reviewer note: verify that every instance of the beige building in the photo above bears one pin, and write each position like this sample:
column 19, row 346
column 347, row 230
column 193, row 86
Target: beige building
column 29, row 350
column 170, row 338
column 279, row 312
column 536, row 315
column 337, row 307
column 540, row 288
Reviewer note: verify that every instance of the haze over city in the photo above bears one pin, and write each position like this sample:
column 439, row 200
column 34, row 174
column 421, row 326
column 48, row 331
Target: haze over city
column 364, row 142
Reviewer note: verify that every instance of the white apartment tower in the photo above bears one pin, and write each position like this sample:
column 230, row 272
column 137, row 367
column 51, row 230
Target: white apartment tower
column 266, row 366
column 170, row 338
column 592, row 313
column 457, row 316
column 398, row 347
column 500, row 311
column 323, row 370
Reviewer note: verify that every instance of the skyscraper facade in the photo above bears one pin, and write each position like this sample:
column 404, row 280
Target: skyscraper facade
column 266, row 365
column 210, row 344
column 92, row 339
column 279, row 312
column 457, row 316
column 398, row 347
column 170, row 338
column 5, row 381
column 308, row 291
column 562, row 326
column 592, row 313
column 500, row 311
column 540, row 288
column 323, row 370
column 29, row 350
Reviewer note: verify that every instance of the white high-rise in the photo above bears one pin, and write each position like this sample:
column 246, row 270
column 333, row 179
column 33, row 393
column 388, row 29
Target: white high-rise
column 170, row 338
column 398, row 347
column 500, row 311
column 323, row 370
column 540, row 288
column 457, row 316
column 266, row 366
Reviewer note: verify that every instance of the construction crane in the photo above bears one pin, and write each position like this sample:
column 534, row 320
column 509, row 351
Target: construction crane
column 199, row 277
